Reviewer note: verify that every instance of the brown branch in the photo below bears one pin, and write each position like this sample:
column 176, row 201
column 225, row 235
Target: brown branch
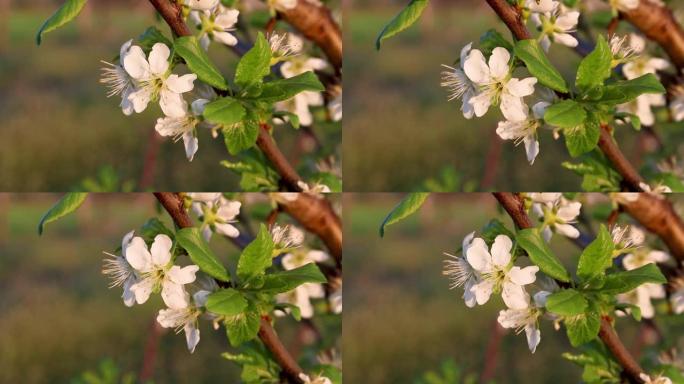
column 512, row 18
column 151, row 349
column 173, row 16
column 317, row 216
column 659, row 24
column 174, row 206
column 316, row 23
column 657, row 214
column 514, row 205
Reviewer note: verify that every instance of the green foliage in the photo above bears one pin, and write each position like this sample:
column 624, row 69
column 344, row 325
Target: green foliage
column 597, row 256
column 66, row 205
column 624, row 91
column 626, row 281
column 188, row 47
column 567, row 302
column 599, row 367
column 284, row 281
column 539, row 65
column 583, row 138
column 541, row 255
column 244, row 326
column 493, row 229
column 106, row 180
column 284, row 89
column 152, row 228
column 255, row 173
column 226, row 111
column 64, row 14
column 228, row 302
column 255, row 64
column 448, row 373
column 597, row 174
column 492, row 39
column 565, row 114
column 241, row 136
column 257, row 366
column 405, row 208
column 595, row 68
column 401, row 21
column 583, row 328
column 256, row 257
column 192, row 241
column 106, row 373
column 152, row 36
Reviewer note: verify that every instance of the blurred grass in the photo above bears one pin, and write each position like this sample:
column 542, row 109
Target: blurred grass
column 399, row 127
column 401, row 318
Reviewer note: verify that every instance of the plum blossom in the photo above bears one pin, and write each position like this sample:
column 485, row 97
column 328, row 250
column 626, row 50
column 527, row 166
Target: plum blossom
column 335, row 108
column 121, row 272
column 497, row 272
column 313, row 189
column 283, row 47
column 155, row 81
column 185, row 319
column 526, row 319
column 459, row 85
column 202, row 5
column 556, row 26
column 316, row 380
column 281, row 5
column 461, row 273
column 541, row 6
column 118, row 80
column 655, row 380
column 157, row 272
column 287, row 237
column 677, row 103
column 525, row 131
column 626, row 239
column 216, row 24
column 557, row 212
column 184, row 127
column 677, row 297
column 623, row 5
column 302, row 295
column 495, row 84
column 217, row 216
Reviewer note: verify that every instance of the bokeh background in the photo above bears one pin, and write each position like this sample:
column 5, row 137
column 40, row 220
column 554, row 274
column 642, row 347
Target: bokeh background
column 59, row 127
column 400, row 130
column 402, row 323
column 60, row 320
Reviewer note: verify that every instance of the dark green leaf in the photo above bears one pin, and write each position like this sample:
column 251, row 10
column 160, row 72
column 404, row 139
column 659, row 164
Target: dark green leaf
column 66, row 205
column 583, row 328
column 66, row 13
column 192, row 241
column 583, row 138
column 257, row 256
column 565, row 114
column 255, row 64
column 567, row 302
column 241, row 136
column 284, row 89
column 226, row 111
column 595, row 68
column 188, row 47
column 540, row 254
column 408, row 206
column 401, row 21
column 624, row 91
column 597, row 256
column 286, row 281
column 243, row 327
column 626, row 281
column 492, row 39
column 539, row 65
column 152, row 36
column 228, row 302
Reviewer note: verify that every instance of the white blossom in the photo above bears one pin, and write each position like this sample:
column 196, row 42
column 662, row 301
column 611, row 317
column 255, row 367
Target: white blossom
column 184, row 127
column 526, row 319
column 185, row 318
column 459, row 85
column 655, row 380
column 283, row 47
column 157, row 272
column 315, row 189
column 302, row 295
column 335, row 108
column 121, row 272
column 155, row 80
column 541, row 6
column 316, row 380
column 119, row 81
column 287, row 237
column 677, row 103
column 558, row 214
column 461, row 273
column 218, row 216
column 202, row 5
column 281, row 5
column 498, row 274
column 495, row 84
column 216, row 24
column 525, row 131
column 556, row 26
column 623, row 5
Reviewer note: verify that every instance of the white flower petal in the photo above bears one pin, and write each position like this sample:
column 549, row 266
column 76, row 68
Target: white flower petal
column 174, row 295
column 159, row 59
column 501, row 250
column 180, row 84
column 138, row 256
column 523, row 276
column 192, row 336
column 514, row 296
column 475, row 67
column 184, row 275
column 161, row 250
column 498, row 63
column 136, row 64
column 478, row 256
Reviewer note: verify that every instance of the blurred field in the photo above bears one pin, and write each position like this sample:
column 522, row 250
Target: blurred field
column 59, row 318
column 401, row 318
column 59, row 127
column 399, row 127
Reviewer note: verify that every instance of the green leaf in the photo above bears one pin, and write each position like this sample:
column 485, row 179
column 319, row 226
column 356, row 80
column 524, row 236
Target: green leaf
column 243, row 327
column 408, row 206
column 539, row 65
column 401, row 21
column 624, row 91
column 152, row 228
column 295, row 311
column 67, row 12
column 192, row 241
column 597, row 256
column 257, row 256
column 255, row 64
column 284, row 89
column 226, row 111
column 583, row 328
column 492, row 39
column 286, row 281
column 228, row 302
column 188, row 47
column 626, row 281
column 540, row 254
column 565, row 114
column 583, row 138
column 493, row 229
column 152, row 36
column 66, row 205
column 595, row 68
column 241, row 136
column 567, row 302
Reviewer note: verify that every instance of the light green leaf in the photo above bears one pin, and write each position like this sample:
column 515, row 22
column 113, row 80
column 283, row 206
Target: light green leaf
column 286, row 281
column 243, row 327
column 255, row 64
column 583, row 138
column 401, row 21
column 539, row 65
column 66, row 205
column 565, row 114
column 583, row 328
column 540, row 254
column 595, row 68
column 492, row 39
column 597, row 256
column 257, row 256
column 66, row 13
column 567, row 302
column 226, row 111
column 284, row 89
column 625, row 91
column 626, row 281
column 228, row 302
column 192, row 241
column 408, row 206
column 241, row 136
column 188, row 47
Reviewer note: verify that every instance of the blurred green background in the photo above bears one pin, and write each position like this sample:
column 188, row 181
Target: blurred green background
column 402, row 320
column 59, row 128
column 399, row 127
column 57, row 315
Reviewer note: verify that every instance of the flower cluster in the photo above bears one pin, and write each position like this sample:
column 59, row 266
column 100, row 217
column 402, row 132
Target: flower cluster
column 556, row 213
column 554, row 21
column 216, row 213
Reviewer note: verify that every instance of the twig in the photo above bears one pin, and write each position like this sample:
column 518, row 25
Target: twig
column 150, row 162
column 492, row 352
column 173, row 204
column 492, row 161
column 151, row 348
column 173, row 16
column 513, row 204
